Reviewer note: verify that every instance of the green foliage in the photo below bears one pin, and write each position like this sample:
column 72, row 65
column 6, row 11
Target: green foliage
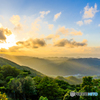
column 87, row 86
column 18, row 85
column 3, row 96
column 28, row 71
column 68, row 97
column 48, row 88
column 62, row 84
column 2, row 88
column 8, row 70
column 22, row 74
column 87, row 81
column 25, row 86
column 2, row 83
column 28, row 86
column 43, row 98
column 37, row 80
column 8, row 78
column 1, row 76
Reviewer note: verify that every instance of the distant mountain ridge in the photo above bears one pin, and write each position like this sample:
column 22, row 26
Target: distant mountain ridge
column 59, row 66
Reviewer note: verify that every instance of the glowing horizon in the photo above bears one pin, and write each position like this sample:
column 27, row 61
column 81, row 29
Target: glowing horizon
column 35, row 30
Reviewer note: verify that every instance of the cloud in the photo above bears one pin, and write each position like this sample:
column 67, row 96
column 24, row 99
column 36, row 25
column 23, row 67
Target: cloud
column 90, row 12
column 64, row 31
column 11, row 49
column 52, row 36
column 69, row 43
column 50, row 26
column 57, row 16
column 3, row 50
column 14, row 48
column 18, row 27
column 3, row 33
column 15, row 21
column 32, row 43
column 80, row 23
column 99, row 25
column 35, row 25
column 44, row 13
column 87, row 21
column 74, row 32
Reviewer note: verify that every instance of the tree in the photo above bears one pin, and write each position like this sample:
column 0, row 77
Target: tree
column 87, row 86
column 24, row 86
column 62, row 84
column 8, row 78
column 8, row 70
column 48, row 88
column 68, row 97
column 43, row 98
column 87, row 81
column 37, row 80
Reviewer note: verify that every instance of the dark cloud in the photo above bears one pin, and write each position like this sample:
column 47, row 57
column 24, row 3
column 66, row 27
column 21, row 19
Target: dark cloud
column 52, row 36
column 69, row 43
column 14, row 48
column 4, row 32
column 32, row 43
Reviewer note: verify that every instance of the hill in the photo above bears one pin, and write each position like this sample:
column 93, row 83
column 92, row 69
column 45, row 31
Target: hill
column 4, row 61
column 61, row 66
column 70, row 79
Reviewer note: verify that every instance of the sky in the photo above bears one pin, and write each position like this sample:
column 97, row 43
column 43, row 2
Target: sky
column 50, row 28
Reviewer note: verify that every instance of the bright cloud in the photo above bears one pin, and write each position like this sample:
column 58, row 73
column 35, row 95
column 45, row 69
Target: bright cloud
column 87, row 21
column 80, row 23
column 99, row 25
column 15, row 21
column 57, row 16
column 62, row 30
column 44, row 13
column 75, row 32
column 50, row 26
column 35, row 26
column 67, row 31
column 90, row 12
column 52, row 36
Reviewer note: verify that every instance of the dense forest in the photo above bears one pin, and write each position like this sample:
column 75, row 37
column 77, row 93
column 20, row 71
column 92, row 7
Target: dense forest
column 16, row 84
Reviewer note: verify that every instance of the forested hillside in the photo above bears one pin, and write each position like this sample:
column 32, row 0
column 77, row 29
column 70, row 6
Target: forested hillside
column 16, row 84
column 4, row 61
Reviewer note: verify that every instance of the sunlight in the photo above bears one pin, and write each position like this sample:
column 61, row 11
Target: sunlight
column 10, row 38
column 10, row 41
column 6, row 45
column 0, row 25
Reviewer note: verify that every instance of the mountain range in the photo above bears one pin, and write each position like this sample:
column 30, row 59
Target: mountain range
column 59, row 66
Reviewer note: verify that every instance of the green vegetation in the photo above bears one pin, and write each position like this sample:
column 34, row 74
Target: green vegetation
column 16, row 84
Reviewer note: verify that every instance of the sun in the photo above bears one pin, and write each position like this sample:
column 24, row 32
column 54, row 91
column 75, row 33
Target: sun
column 10, row 41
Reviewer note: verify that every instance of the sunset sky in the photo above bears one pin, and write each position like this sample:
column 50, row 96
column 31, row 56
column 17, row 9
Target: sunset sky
column 46, row 28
